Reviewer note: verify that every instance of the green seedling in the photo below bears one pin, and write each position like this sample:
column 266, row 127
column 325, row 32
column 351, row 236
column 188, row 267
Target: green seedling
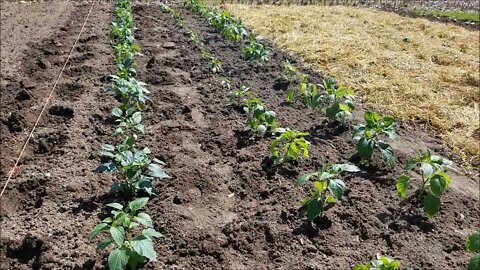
column 381, row 263
column 255, row 50
column 367, row 136
column 131, row 249
column 262, row 121
column 290, row 75
column 239, row 96
column 329, row 188
column 128, row 121
column 131, row 93
column 339, row 102
column 124, row 57
column 215, row 64
column 309, row 92
column 473, row 246
column 137, row 168
column 434, row 181
column 289, row 146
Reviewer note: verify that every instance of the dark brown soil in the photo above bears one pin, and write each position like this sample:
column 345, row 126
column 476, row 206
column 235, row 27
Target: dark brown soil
column 224, row 207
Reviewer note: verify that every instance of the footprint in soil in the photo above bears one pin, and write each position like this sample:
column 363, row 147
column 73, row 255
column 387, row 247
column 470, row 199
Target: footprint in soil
column 30, row 248
column 59, row 110
column 48, row 143
column 15, row 122
column 36, row 192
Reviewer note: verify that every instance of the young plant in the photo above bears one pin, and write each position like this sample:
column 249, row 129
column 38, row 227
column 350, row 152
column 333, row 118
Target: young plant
column 238, row 97
column 434, row 181
column 255, row 50
column 262, row 121
column 367, row 137
column 124, row 57
column 381, row 263
column 131, row 93
column 309, row 92
column 290, row 76
column 132, row 249
column 215, row 64
column 473, row 246
column 339, row 101
column 129, row 122
column 329, row 188
column 289, row 146
column 134, row 165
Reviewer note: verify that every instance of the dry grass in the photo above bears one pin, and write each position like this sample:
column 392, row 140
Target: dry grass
column 412, row 68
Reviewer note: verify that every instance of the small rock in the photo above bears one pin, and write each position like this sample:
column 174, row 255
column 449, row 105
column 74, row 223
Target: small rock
column 44, row 64
column 168, row 45
column 177, row 200
column 22, row 95
column 152, row 62
column 27, row 84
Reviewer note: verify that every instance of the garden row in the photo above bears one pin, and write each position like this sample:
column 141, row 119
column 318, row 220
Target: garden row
column 131, row 163
column 337, row 104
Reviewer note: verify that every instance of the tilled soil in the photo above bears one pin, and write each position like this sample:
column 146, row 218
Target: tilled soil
column 224, row 207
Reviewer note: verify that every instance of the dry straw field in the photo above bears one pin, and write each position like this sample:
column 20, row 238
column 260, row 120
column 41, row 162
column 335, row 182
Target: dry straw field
column 413, row 68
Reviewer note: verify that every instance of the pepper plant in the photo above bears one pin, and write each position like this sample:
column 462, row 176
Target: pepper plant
column 338, row 101
column 130, row 92
column 289, row 146
column 328, row 188
column 128, row 122
column 368, row 135
column 381, row 263
column 433, row 182
column 137, row 168
column 132, row 248
column 473, row 246
column 239, row 96
column 262, row 121
column 255, row 50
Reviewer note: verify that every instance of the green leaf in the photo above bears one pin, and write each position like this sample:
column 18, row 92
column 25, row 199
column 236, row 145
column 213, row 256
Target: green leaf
column 118, row 235
column 365, row 148
column 138, row 204
column 108, row 147
column 144, row 247
column 411, row 164
column 118, row 259
column 387, row 153
column 290, row 95
column 117, row 112
column 361, row 267
column 304, row 178
column 105, row 243
column 320, row 185
column 98, row 229
column 427, row 169
column 438, row 184
column 144, row 219
column 431, row 205
column 371, row 118
column 337, row 188
column 156, row 171
column 314, row 208
column 149, row 232
column 115, row 206
column 474, row 263
column 137, row 117
column 473, row 242
column 345, row 168
column 402, row 185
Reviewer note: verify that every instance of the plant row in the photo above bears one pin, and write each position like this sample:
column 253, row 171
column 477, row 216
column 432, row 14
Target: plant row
column 129, row 230
column 232, row 30
column 336, row 103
